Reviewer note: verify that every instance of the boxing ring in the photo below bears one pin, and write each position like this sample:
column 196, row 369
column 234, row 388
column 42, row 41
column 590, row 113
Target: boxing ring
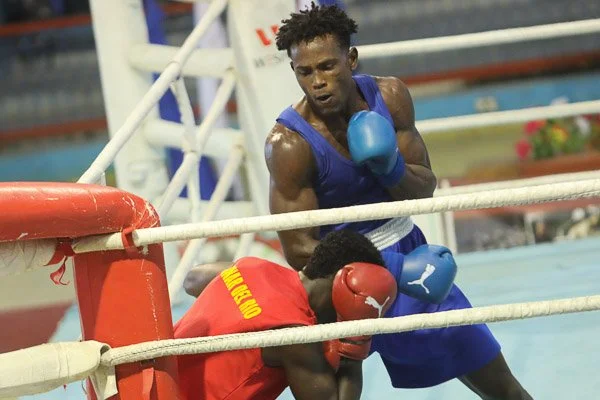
column 113, row 255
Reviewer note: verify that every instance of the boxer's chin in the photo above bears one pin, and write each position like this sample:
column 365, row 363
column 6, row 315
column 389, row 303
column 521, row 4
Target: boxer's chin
column 328, row 106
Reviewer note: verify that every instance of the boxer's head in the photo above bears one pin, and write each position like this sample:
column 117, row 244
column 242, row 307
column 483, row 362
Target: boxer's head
column 337, row 249
column 317, row 41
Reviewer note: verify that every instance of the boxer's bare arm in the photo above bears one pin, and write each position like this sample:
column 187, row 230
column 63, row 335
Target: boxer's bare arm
column 350, row 379
column 310, row 376
column 201, row 275
column 419, row 180
column 291, row 166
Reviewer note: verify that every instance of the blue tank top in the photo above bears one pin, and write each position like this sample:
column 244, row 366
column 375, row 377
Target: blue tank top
column 340, row 182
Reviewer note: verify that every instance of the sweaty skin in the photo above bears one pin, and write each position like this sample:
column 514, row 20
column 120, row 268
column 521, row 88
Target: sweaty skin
column 323, row 70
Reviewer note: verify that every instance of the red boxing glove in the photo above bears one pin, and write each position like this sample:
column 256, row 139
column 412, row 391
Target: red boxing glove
column 361, row 291
column 330, row 348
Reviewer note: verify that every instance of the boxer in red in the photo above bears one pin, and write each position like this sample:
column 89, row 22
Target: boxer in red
column 342, row 280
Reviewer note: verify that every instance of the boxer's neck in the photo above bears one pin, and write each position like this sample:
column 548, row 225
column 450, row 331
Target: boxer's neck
column 319, row 297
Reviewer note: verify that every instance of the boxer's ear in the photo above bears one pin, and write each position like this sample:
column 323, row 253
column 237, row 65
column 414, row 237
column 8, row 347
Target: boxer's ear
column 352, row 58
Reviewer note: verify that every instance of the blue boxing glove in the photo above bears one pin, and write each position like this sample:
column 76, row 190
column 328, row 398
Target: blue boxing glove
column 372, row 142
column 427, row 273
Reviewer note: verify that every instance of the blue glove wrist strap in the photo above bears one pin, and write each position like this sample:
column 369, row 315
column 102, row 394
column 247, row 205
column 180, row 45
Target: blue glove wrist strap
column 393, row 177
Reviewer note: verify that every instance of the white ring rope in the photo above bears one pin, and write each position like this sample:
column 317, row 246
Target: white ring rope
column 78, row 359
column 527, row 182
column 318, row 333
column 507, row 117
column 305, row 219
column 488, row 38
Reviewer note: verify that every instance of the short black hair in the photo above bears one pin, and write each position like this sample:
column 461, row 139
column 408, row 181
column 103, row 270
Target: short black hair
column 317, row 21
column 338, row 249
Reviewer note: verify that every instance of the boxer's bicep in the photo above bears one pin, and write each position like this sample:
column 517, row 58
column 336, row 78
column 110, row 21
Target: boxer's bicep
column 402, row 110
column 412, row 147
column 290, row 163
column 419, row 181
column 201, row 275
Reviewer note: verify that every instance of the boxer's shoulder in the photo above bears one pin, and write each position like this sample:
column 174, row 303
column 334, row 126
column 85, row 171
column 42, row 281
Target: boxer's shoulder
column 397, row 98
column 389, row 83
column 392, row 89
column 282, row 141
column 288, row 152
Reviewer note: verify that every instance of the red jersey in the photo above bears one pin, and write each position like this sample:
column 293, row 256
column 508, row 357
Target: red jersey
column 252, row 295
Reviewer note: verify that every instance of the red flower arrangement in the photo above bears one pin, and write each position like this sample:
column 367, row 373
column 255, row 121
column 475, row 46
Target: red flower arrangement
column 547, row 139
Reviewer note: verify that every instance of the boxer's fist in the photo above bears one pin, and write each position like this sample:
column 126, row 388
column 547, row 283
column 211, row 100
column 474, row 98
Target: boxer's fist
column 428, row 273
column 372, row 142
column 361, row 291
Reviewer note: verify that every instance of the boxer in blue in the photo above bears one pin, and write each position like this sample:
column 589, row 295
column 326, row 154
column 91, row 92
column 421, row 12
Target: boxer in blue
column 352, row 140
